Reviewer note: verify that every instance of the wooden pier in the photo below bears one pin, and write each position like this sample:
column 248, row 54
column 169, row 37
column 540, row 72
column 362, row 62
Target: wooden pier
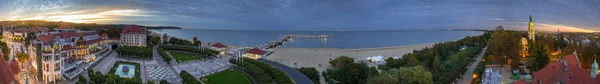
column 283, row 39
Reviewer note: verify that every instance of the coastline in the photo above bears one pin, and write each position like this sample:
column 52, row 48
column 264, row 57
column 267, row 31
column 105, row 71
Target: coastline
column 312, row 57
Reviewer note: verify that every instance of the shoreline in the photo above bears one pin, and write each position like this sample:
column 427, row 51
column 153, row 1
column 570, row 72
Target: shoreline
column 313, row 57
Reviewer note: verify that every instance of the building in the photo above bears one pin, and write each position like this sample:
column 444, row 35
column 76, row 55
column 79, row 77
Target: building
column 564, row 71
column 219, row 47
column 133, row 36
column 531, row 30
column 65, row 52
column 6, row 74
column 376, row 59
column 255, row 53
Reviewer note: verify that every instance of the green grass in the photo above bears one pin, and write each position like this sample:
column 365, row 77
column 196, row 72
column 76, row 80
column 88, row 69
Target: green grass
column 229, row 76
column 116, row 65
column 181, row 57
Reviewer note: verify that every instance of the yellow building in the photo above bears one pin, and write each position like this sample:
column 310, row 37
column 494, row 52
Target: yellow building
column 255, row 53
column 219, row 47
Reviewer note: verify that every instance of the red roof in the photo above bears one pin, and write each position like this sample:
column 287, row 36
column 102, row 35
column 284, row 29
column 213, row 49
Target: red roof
column 14, row 66
column 565, row 71
column 256, row 51
column 46, row 38
column 6, row 75
column 132, row 29
column 38, row 29
column 571, row 60
column 93, row 41
column 218, row 45
column 67, row 34
column 65, row 26
column 66, row 47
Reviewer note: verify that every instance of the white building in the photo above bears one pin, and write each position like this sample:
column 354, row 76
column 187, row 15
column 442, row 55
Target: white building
column 376, row 59
column 66, row 51
column 133, row 36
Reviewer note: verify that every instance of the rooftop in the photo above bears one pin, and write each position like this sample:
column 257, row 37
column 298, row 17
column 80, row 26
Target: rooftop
column 256, row 51
column 218, row 45
column 132, row 29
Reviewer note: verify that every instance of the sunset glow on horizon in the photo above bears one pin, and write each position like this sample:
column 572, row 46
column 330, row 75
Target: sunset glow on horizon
column 83, row 16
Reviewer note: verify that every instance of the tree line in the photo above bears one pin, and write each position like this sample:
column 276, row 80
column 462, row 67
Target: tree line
column 135, row 51
column 257, row 69
column 203, row 52
column 445, row 61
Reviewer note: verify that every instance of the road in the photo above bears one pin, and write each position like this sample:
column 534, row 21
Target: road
column 467, row 76
column 296, row 75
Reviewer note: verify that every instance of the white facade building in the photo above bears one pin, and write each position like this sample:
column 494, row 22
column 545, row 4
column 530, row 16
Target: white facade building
column 133, row 36
column 66, row 51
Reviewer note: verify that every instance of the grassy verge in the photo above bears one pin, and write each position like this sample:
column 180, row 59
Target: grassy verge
column 116, row 65
column 181, row 57
column 225, row 77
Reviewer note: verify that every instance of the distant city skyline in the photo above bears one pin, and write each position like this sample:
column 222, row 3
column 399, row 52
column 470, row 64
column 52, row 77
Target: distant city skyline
column 549, row 15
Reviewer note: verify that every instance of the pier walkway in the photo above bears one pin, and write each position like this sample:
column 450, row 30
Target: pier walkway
column 287, row 37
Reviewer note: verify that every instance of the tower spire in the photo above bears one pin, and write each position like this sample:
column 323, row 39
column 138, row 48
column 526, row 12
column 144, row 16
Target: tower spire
column 530, row 19
column 594, row 70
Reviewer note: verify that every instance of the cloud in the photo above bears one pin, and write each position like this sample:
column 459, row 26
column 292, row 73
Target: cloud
column 85, row 16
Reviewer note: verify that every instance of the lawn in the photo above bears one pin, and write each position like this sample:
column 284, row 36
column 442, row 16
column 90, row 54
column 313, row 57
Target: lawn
column 229, row 76
column 116, row 65
column 181, row 57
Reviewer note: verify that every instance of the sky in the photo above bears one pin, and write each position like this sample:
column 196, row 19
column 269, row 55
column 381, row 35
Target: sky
column 549, row 15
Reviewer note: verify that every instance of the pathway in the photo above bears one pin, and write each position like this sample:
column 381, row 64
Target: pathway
column 467, row 76
column 297, row 76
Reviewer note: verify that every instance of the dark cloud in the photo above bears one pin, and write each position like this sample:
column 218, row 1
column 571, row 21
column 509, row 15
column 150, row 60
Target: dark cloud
column 330, row 14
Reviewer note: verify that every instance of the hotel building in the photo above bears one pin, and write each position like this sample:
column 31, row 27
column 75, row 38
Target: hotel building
column 66, row 52
column 133, row 36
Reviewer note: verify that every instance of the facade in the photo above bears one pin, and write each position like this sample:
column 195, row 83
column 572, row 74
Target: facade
column 66, row 52
column 564, row 71
column 255, row 53
column 133, row 36
column 219, row 47
column 531, row 30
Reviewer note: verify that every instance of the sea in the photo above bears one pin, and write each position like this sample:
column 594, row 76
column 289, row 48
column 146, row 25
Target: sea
column 337, row 39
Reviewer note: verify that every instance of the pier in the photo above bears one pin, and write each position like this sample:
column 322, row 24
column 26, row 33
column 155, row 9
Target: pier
column 283, row 39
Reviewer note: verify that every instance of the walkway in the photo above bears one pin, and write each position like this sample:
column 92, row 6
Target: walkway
column 467, row 77
column 296, row 75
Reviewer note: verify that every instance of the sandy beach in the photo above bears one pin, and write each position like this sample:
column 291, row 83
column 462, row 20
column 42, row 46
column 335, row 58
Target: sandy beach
column 312, row 57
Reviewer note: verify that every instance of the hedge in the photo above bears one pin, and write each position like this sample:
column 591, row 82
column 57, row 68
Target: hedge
column 188, row 78
column 205, row 52
column 254, row 71
column 164, row 55
column 276, row 74
column 143, row 52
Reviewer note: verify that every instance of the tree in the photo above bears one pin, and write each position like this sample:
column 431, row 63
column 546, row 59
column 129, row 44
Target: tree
column 164, row 82
column 392, row 63
column 502, row 48
column 195, row 41
column 340, row 61
column 164, row 38
column 382, row 79
column 150, row 82
column 538, row 57
column 5, row 50
column 22, row 56
column 410, row 60
column 412, row 75
column 311, row 73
